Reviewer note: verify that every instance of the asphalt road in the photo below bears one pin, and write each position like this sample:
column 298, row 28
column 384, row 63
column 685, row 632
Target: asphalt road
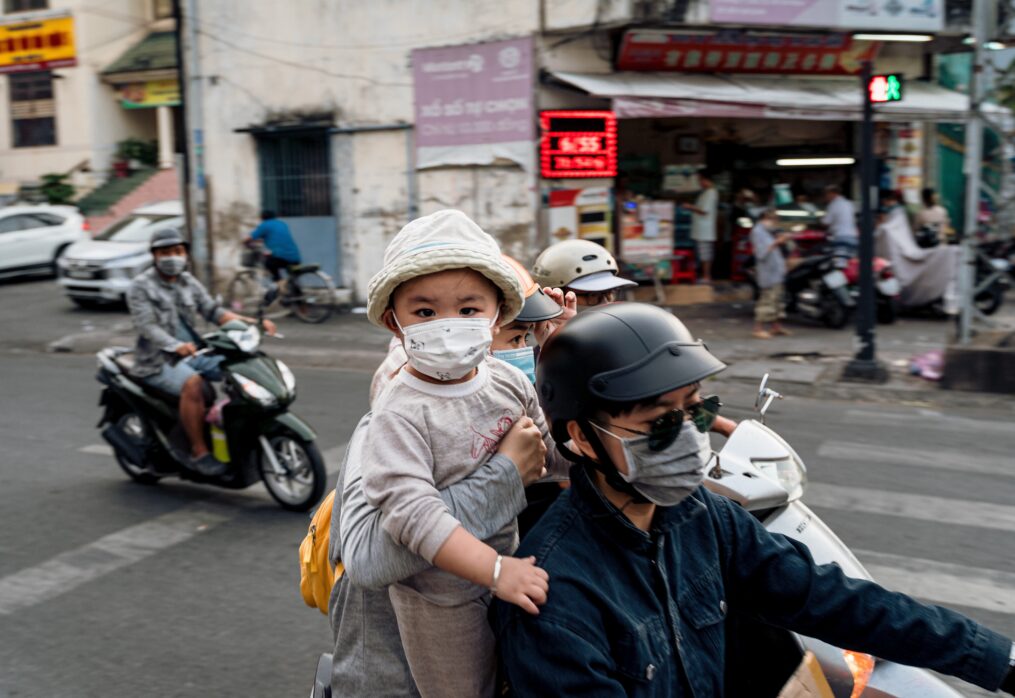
column 180, row 590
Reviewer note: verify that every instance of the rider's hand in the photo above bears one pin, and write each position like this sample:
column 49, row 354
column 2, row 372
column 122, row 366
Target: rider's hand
column 523, row 444
column 186, row 349
column 724, row 426
column 522, row 583
column 569, row 302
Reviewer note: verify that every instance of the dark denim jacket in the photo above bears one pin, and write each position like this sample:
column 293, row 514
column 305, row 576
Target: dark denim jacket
column 635, row 614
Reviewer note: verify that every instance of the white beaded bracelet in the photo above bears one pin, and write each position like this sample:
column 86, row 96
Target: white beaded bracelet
column 496, row 574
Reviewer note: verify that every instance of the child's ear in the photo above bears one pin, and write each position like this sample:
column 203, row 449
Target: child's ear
column 388, row 318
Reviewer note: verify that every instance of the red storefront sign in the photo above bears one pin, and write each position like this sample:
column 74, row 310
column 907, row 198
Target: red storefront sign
column 578, row 144
column 735, row 52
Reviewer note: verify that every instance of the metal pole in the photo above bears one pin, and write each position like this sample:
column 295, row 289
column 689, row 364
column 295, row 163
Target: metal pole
column 971, row 168
column 864, row 366
column 199, row 247
column 181, row 73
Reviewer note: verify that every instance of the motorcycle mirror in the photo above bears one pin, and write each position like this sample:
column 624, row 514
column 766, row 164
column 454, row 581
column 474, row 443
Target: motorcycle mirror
column 766, row 395
column 761, row 391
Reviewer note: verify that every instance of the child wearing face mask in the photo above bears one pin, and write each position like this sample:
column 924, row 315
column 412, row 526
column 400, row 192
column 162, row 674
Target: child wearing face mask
column 445, row 291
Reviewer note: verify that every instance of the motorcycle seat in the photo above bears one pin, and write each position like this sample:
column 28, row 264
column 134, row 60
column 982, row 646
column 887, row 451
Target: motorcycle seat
column 125, row 361
column 303, row 268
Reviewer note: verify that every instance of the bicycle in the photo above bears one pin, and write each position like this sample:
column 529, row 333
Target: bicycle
column 306, row 292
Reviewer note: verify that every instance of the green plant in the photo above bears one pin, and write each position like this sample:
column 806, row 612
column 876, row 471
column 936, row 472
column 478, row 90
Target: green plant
column 145, row 152
column 55, row 188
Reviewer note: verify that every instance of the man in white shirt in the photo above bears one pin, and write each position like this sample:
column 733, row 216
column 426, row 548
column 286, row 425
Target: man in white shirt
column 840, row 219
column 703, row 224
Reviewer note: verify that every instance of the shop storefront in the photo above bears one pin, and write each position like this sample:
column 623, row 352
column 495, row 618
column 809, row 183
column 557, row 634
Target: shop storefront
column 772, row 118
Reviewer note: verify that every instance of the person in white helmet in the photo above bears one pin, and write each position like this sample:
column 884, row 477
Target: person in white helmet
column 583, row 267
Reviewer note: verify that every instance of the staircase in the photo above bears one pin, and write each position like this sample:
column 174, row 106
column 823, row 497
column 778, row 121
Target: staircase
column 119, row 197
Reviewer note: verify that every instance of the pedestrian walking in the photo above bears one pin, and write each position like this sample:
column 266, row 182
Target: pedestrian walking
column 770, row 273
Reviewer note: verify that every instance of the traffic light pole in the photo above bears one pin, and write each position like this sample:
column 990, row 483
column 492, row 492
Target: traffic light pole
column 865, row 367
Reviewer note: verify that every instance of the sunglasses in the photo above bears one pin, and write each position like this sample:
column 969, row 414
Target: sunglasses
column 666, row 428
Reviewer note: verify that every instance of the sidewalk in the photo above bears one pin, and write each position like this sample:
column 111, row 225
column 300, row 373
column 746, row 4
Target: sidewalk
column 806, row 364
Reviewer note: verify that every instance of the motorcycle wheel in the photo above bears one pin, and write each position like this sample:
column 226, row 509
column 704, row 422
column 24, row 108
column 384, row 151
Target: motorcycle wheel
column 835, row 315
column 888, row 311
column 990, row 300
column 132, row 425
column 302, row 484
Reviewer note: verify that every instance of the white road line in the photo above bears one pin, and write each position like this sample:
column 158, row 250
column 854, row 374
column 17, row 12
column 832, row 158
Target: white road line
column 943, row 460
column 929, row 419
column 958, row 512
column 97, row 449
column 71, row 569
column 941, row 582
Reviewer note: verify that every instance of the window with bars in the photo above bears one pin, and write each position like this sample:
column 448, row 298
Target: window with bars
column 25, row 5
column 33, row 110
column 295, row 173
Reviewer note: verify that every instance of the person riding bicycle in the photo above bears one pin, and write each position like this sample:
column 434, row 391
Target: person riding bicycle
column 164, row 303
column 280, row 251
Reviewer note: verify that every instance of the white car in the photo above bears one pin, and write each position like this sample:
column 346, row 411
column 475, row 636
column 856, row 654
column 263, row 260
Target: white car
column 100, row 270
column 32, row 237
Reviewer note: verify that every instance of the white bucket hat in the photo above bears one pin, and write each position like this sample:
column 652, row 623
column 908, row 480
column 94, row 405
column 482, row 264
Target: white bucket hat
column 443, row 240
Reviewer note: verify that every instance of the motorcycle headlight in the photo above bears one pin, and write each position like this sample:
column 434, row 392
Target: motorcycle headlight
column 789, row 472
column 247, row 340
column 255, row 391
column 287, row 376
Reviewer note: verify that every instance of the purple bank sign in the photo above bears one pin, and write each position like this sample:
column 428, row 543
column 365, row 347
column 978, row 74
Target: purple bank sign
column 474, row 103
column 872, row 15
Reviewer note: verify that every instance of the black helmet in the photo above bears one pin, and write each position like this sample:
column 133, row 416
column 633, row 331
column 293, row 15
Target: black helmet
column 168, row 238
column 617, row 353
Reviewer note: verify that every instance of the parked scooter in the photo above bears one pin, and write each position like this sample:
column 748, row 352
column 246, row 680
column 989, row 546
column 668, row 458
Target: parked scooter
column 758, row 470
column 817, row 289
column 249, row 427
column 886, row 288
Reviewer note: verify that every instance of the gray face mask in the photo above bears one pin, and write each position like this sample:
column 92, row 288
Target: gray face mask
column 171, row 266
column 668, row 476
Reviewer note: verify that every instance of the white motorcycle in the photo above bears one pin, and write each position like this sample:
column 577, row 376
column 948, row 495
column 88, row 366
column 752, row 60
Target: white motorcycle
column 760, row 471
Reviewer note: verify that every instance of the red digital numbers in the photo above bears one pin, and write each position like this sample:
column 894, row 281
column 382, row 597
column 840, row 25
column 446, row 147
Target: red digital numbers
column 578, row 144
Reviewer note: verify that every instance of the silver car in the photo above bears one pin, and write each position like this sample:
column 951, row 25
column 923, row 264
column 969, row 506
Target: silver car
column 100, row 270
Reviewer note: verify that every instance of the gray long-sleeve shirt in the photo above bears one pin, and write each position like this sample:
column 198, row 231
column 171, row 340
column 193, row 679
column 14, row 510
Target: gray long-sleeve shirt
column 368, row 659
column 159, row 310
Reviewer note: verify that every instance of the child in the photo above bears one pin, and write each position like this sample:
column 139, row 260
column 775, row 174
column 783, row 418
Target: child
column 443, row 290
column 770, row 270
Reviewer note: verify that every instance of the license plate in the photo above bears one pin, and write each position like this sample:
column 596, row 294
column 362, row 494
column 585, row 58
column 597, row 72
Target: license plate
column 79, row 274
column 834, row 279
column 889, row 287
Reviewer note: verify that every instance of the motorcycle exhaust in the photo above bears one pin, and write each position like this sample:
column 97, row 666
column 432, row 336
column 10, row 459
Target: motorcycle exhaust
column 116, row 438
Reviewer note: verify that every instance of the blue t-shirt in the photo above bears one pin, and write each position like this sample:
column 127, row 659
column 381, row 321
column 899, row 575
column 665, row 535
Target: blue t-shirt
column 278, row 239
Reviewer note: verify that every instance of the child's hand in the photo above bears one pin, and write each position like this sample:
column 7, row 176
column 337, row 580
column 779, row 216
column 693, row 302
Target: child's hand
column 568, row 301
column 523, row 444
column 522, row 583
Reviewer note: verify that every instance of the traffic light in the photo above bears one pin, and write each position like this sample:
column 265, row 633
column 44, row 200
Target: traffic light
column 885, row 88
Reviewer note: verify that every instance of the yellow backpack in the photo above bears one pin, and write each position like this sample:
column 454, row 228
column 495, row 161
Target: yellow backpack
column 316, row 574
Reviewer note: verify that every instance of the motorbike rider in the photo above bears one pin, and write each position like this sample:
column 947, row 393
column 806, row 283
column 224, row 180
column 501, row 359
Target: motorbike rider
column 645, row 565
column 164, row 302
column 583, row 267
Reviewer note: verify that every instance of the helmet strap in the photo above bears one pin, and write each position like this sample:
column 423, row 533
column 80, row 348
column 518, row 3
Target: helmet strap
column 605, row 464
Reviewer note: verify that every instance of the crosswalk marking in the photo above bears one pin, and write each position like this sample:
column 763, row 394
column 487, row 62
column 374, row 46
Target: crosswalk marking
column 967, row 462
column 941, row 582
column 929, row 418
column 71, row 569
column 959, row 512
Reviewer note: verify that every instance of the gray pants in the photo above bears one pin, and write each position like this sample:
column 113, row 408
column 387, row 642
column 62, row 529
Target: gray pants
column 451, row 649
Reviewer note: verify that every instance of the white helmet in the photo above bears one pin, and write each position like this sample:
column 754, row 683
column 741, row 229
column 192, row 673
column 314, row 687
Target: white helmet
column 579, row 265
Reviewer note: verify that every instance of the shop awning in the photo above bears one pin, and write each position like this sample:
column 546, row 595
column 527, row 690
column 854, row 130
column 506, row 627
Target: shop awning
column 642, row 95
column 152, row 58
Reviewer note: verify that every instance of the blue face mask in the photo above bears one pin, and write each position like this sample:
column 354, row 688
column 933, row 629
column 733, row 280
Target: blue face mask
column 523, row 359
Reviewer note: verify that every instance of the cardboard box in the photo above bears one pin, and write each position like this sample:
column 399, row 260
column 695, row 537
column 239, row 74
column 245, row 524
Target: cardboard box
column 676, row 294
column 808, row 681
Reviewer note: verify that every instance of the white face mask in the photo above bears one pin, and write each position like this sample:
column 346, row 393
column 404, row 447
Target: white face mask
column 668, row 476
column 447, row 349
column 171, row 266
